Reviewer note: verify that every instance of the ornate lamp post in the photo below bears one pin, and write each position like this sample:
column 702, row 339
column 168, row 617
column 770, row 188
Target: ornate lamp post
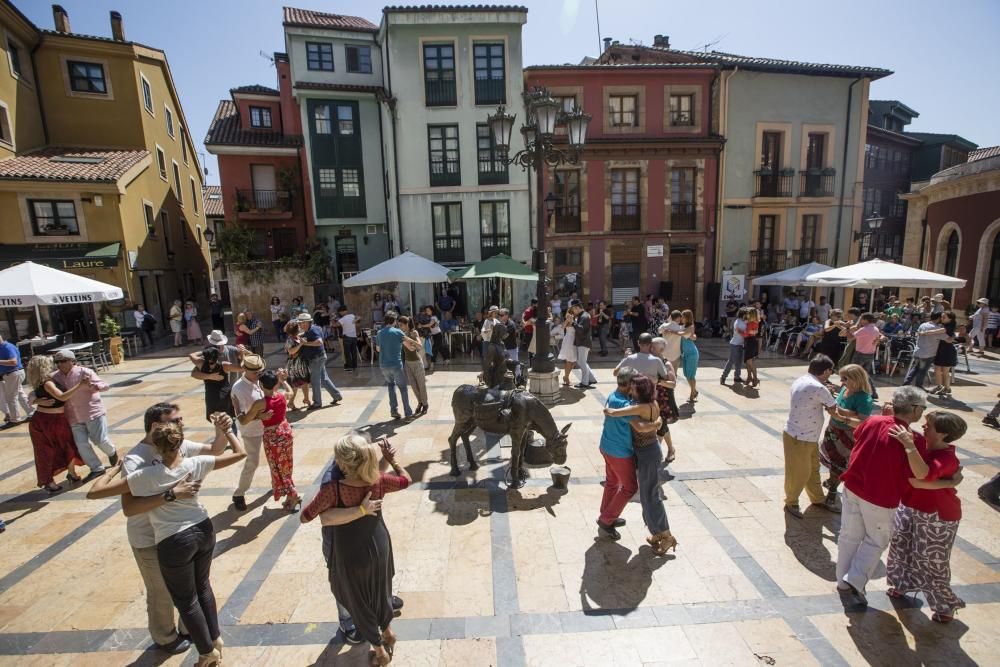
column 544, row 115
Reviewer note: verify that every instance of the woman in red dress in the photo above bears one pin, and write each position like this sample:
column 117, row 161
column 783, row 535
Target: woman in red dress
column 51, row 437
column 277, row 436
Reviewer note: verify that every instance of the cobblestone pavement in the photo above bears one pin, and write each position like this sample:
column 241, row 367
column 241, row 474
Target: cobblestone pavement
column 492, row 577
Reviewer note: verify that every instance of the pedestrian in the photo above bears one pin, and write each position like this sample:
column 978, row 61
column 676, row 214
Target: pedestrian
column 348, row 323
column 510, row 340
column 314, row 353
column 414, row 362
column 85, row 411
column 833, row 334
column 991, row 418
column 877, row 476
column 638, row 323
column 177, row 321
column 751, row 344
column 242, row 331
column 810, row 397
column 993, row 327
column 822, row 309
column 852, row 322
column 245, row 393
column 278, row 318
column 297, row 366
column 51, row 438
column 231, row 356
column 604, row 319
column 620, row 482
column 446, row 304
column 139, row 315
column 672, row 331
column 378, row 309
column 979, row 320
column 528, row 322
column 194, row 336
column 438, row 347
column 926, row 522
column 946, row 356
column 689, row 354
column 648, row 459
column 646, row 362
column 929, row 334
column 277, row 439
column 214, row 372
column 567, row 348
column 389, row 343
column 184, row 534
column 582, row 331
column 297, row 308
column 790, row 305
column 854, row 405
column 736, row 343
column 169, row 636
column 12, row 385
column 256, row 331
column 867, row 338
column 390, row 303
column 361, row 560
column 215, row 308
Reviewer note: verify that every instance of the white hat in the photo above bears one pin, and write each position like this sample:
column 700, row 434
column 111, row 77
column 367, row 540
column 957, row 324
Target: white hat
column 217, row 338
column 304, row 317
column 939, row 297
column 64, row 355
column 983, row 301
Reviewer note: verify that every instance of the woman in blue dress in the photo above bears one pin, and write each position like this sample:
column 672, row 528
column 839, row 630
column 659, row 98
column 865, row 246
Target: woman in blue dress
column 689, row 353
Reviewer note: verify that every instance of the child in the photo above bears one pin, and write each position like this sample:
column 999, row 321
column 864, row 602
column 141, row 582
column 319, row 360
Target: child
column 277, row 436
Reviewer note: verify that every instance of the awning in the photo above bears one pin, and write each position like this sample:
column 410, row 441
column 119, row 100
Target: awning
column 66, row 256
column 498, row 266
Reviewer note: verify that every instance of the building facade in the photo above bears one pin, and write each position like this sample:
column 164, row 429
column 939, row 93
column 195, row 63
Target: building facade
column 452, row 198
column 117, row 198
column 637, row 215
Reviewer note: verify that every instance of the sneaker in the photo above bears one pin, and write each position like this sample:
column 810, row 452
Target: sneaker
column 991, row 421
column 352, row 636
column 608, row 532
column 113, row 458
column 314, row 406
column 944, row 393
column 395, row 415
column 583, row 386
column 936, row 390
column 794, row 511
column 240, row 503
column 737, row 380
column 858, row 594
column 408, row 414
column 93, row 474
column 180, row 645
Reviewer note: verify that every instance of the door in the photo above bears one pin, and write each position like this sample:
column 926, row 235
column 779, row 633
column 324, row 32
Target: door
column 164, row 322
column 264, row 186
column 347, row 256
column 770, row 164
column 682, row 274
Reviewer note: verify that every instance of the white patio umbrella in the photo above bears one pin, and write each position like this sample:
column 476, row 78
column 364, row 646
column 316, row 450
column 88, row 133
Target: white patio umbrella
column 793, row 277
column 30, row 284
column 880, row 273
column 408, row 267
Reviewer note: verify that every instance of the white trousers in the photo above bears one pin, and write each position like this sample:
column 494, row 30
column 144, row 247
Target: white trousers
column 13, row 396
column 252, row 444
column 586, row 375
column 865, row 531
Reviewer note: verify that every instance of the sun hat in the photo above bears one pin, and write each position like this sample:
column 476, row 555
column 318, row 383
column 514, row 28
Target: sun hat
column 492, row 308
column 254, row 363
column 64, row 355
column 983, row 301
column 304, row 317
column 217, row 338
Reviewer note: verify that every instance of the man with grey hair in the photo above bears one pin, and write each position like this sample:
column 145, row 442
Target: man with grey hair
column 581, row 338
column 12, row 393
column 877, row 475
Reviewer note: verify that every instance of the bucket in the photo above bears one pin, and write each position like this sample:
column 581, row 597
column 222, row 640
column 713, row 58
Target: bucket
column 560, row 476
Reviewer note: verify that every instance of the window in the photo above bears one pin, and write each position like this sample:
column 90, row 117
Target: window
column 810, row 225
column 184, row 144
column 815, row 154
column 345, row 119
column 198, row 231
column 165, row 224
column 194, row 195
column 442, row 144
column 319, row 56
column 770, row 156
column 993, row 282
column 765, row 232
column 184, row 231
column 51, row 217
column 260, row 117
column 5, row 134
column 359, row 59
column 494, row 228
column 682, row 110
column 177, row 184
column 147, row 210
column 568, row 269
column 449, row 244
column 15, row 57
column 147, row 94
column 622, row 110
column 87, row 77
column 351, row 182
column 567, row 189
column 168, row 115
column 488, row 69
column 625, row 200
column 439, row 75
column 328, row 182
column 284, row 243
column 566, row 102
column 321, row 119
column 951, row 255
column 682, row 206
column 765, row 259
column 492, row 168
column 161, row 162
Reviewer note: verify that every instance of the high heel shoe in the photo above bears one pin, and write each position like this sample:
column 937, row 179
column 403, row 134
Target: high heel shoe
column 218, row 644
column 662, row 542
column 213, row 659
column 375, row 660
column 292, row 504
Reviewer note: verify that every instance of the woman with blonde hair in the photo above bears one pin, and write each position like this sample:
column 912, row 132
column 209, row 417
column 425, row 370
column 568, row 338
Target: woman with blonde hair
column 855, row 402
column 689, row 353
column 51, row 437
column 362, row 563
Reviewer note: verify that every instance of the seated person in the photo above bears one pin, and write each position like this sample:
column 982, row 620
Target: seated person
column 809, row 335
column 892, row 327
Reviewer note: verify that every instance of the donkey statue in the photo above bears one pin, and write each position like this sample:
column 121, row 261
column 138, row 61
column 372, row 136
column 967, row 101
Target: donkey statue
column 510, row 413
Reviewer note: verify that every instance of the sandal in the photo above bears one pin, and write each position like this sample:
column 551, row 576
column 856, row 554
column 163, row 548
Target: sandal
column 670, row 457
column 73, row 477
column 893, row 593
column 942, row 618
column 375, row 661
column 53, row 488
column 662, row 543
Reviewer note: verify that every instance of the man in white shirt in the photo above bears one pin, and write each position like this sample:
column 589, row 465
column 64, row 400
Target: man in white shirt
column 978, row 330
column 810, row 398
column 791, row 304
column 805, row 309
column 736, row 343
column 169, row 637
column 823, row 310
column 348, row 323
column 244, row 394
column 672, row 331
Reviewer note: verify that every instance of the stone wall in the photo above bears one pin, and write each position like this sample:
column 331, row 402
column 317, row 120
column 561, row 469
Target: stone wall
column 247, row 290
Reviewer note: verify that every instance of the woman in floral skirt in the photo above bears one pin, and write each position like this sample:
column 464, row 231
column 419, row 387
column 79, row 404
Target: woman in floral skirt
column 277, row 436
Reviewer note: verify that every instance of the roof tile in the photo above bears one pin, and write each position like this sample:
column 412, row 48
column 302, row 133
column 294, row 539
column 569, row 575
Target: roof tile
column 408, row 9
column 255, row 89
column 313, row 19
column 212, row 194
column 984, row 153
column 345, row 87
column 88, row 165
column 226, row 130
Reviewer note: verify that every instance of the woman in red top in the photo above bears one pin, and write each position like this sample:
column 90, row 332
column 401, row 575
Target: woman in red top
column 362, row 564
column 751, row 344
column 277, row 438
column 926, row 522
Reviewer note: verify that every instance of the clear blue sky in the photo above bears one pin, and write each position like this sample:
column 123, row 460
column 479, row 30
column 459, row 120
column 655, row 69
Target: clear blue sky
column 945, row 55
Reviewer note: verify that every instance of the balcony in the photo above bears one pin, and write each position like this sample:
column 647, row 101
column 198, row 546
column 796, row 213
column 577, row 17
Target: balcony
column 625, row 218
column 816, row 182
column 683, row 216
column 568, row 220
column 445, row 173
column 449, row 249
column 266, row 203
column 491, row 91
column 771, row 184
column 440, row 93
column 887, row 245
column 767, row 261
column 806, row 255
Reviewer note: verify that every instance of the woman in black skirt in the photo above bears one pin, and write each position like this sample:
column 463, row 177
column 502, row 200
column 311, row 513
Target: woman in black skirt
column 833, row 335
column 946, row 357
column 751, row 343
column 362, row 563
column 217, row 388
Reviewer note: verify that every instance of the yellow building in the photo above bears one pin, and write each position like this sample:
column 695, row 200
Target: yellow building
column 98, row 173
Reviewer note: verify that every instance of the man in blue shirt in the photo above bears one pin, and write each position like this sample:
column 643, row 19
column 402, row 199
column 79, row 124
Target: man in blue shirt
column 389, row 341
column 619, row 460
column 12, row 384
column 314, row 353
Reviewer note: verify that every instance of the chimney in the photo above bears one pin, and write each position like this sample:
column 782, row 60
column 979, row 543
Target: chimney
column 662, row 41
column 117, row 29
column 607, row 43
column 61, row 19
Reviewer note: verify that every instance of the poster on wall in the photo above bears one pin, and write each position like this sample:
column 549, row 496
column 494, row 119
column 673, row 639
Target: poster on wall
column 733, row 286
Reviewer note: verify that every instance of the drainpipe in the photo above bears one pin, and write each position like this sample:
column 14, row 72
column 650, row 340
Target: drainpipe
column 923, row 244
column 721, row 178
column 391, row 102
column 385, row 176
column 38, row 93
column 843, row 174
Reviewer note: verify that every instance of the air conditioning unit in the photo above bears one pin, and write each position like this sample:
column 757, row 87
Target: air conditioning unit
column 371, row 230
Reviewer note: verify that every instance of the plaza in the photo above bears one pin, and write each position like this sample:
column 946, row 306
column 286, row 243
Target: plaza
column 497, row 577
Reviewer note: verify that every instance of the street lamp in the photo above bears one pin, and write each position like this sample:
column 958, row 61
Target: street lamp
column 209, row 236
column 544, row 115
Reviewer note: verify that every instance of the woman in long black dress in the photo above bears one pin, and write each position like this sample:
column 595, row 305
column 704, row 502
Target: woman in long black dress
column 362, row 564
column 833, row 335
column 946, row 357
column 217, row 388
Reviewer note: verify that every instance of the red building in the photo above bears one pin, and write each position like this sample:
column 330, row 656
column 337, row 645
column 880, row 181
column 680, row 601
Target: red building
column 637, row 215
column 257, row 136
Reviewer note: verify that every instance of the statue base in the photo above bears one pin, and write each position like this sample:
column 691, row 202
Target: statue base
column 545, row 387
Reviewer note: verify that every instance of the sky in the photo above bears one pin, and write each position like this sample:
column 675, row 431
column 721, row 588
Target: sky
column 945, row 55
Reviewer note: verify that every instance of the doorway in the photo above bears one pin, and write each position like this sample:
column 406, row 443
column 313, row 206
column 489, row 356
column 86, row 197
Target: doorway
column 347, row 256
column 683, row 269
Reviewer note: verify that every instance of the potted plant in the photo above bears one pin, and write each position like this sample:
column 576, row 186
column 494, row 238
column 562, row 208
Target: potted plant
column 110, row 329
